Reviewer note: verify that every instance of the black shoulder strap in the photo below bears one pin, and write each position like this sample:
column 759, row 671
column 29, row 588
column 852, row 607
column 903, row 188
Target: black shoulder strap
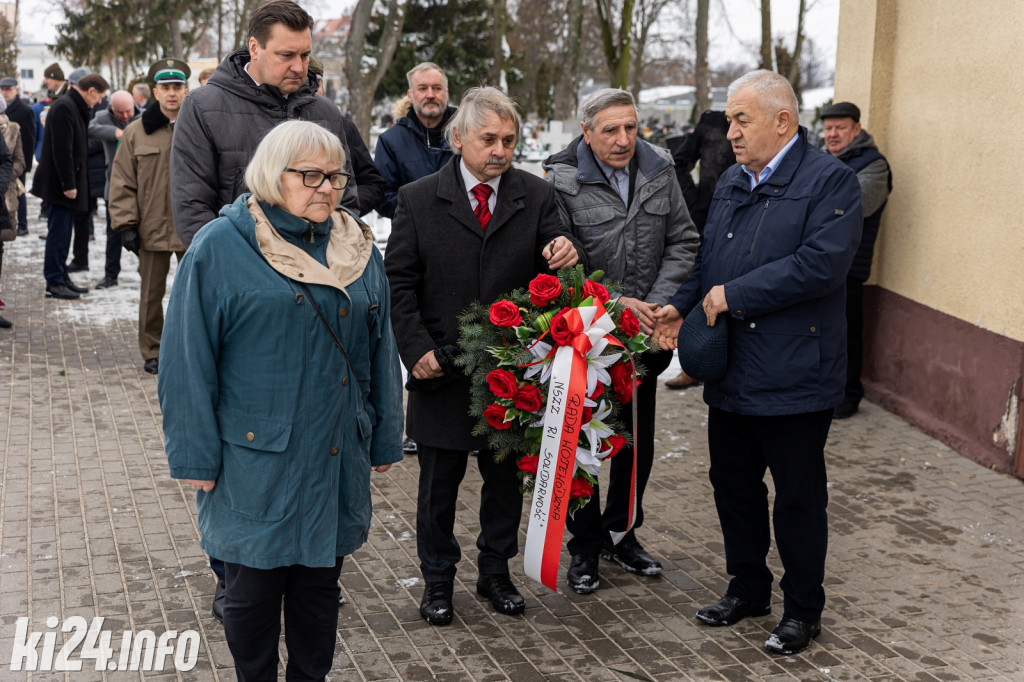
column 337, row 341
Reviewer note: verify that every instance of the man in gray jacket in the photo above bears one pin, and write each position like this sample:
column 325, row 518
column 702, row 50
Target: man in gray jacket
column 620, row 197
column 108, row 126
column 254, row 89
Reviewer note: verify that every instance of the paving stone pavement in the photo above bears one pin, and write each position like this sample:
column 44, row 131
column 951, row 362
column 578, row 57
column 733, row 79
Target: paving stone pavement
column 925, row 576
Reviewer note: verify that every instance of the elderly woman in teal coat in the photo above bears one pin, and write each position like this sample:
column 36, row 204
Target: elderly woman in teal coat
column 281, row 390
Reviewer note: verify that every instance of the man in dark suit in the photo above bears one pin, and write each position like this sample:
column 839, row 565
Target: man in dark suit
column 20, row 111
column 62, row 179
column 474, row 230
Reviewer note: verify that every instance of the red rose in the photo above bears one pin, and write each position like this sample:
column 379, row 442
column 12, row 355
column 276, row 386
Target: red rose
column 495, row 416
column 588, row 414
column 592, row 288
column 628, row 323
column 598, row 392
column 622, row 380
column 528, row 463
column 616, row 442
column 581, row 487
column 502, row 383
column 544, row 289
column 560, row 331
column 505, row 314
column 528, row 399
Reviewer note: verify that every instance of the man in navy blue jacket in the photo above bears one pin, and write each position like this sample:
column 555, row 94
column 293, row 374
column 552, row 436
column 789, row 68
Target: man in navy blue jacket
column 781, row 233
column 415, row 147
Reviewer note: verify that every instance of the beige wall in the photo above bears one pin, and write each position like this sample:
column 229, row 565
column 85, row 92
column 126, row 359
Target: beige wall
column 941, row 86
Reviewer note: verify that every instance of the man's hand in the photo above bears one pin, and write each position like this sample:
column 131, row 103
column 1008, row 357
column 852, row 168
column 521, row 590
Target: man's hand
column 427, row 367
column 71, row 193
column 644, row 312
column 560, row 253
column 380, row 468
column 666, row 328
column 118, row 133
column 205, row 486
column 715, row 303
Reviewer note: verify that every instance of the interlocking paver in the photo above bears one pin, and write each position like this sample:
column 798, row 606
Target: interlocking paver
column 925, row 577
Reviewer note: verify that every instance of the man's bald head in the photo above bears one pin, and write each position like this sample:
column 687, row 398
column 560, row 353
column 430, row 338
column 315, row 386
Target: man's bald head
column 122, row 106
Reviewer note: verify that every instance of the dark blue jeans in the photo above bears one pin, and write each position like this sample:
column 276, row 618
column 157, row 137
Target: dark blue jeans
column 58, row 243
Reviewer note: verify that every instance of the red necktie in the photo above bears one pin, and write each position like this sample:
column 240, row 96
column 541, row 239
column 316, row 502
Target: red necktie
column 483, row 212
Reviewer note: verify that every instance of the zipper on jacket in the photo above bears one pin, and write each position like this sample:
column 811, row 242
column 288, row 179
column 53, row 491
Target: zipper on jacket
column 757, row 229
column 312, row 238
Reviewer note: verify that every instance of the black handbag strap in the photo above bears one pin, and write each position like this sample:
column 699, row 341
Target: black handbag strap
column 337, row 341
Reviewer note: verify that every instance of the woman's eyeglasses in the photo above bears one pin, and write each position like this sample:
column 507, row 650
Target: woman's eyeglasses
column 315, row 178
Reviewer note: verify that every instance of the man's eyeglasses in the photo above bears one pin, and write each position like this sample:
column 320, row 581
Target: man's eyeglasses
column 315, row 178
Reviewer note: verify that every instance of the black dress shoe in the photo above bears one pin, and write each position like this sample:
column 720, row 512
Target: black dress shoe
column 75, row 267
column 502, row 593
column 436, row 607
column 731, row 610
column 60, row 291
column 791, row 636
column 22, row 231
column 74, row 287
column 5, row 323
column 582, row 574
column 152, row 366
column 632, row 557
column 218, row 603
column 106, row 283
column 409, row 446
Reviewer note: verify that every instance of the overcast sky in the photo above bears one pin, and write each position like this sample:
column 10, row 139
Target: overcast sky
column 734, row 34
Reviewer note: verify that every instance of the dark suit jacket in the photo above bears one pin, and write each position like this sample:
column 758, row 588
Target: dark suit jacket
column 63, row 162
column 439, row 261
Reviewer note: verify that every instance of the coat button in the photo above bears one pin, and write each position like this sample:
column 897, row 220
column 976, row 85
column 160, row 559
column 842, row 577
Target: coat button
column 343, row 312
column 739, row 313
column 250, row 436
column 729, row 235
column 344, row 381
column 814, row 329
column 300, row 299
column 334, row 451
column 753, row 325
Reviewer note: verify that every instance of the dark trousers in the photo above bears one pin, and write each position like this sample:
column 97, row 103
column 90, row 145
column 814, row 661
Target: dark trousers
column 589, row 527
column 61, row 222
column 80, row 247
column 154, row 266
column 22, row 212
column 252, row 620
column 501, row 508
column 792, row 447
column 854, row 340
column 112, row 265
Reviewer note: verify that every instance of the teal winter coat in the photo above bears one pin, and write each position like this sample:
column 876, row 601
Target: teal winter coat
column 256, row 395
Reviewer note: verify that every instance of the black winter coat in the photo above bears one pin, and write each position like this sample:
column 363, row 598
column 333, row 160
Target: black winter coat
column 708, row 145
column 20, row 112
column 221, row 124
column 64, row 158
column 439, row 261
column 405, row 153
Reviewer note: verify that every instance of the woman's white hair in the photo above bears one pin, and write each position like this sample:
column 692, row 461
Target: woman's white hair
column 773, row 92
column 282, row 147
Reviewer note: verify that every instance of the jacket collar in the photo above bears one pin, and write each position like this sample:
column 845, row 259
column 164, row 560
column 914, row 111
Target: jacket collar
column 348, row 251
column 79, row 101
column 413, row 123
column 153, row 119
column 231, row 75
column 578, row 155
column 784, row 174
column 510, row 198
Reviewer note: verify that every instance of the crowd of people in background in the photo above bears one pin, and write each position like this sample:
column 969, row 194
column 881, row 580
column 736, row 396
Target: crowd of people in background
column 279, row 363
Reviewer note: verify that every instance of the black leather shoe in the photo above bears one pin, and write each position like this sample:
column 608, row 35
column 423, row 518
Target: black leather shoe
column 846, row 410
column 60, row 291
column 106, row 283
column 75, row 288
column 74, row 267
column 22, row 231
column 731, row 610
column 791, row 636
column 502, row 593
column 5, row 323
column 152, row 366
column 632, row 557
column 409, row 446
column 218, row 603
column 436, row 607
column 582, row 574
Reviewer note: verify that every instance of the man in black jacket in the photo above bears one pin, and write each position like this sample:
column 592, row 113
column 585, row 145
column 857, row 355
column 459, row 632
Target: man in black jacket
column 62, row 179
column 19, row 111
column 474, row 230
column 848, row 142
column 254, row 89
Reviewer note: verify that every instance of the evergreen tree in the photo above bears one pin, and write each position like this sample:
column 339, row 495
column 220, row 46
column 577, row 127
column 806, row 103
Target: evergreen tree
column 8, row 49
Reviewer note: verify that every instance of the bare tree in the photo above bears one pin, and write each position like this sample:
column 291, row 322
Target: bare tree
column 701, row 77
column 766, row 36
column 616, row 41
column 365, row 65
column 498, row 42
column 567, row 92
column 647, row 14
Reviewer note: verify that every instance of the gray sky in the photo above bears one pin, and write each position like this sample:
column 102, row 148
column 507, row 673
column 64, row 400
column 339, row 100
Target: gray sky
column 739, row 44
